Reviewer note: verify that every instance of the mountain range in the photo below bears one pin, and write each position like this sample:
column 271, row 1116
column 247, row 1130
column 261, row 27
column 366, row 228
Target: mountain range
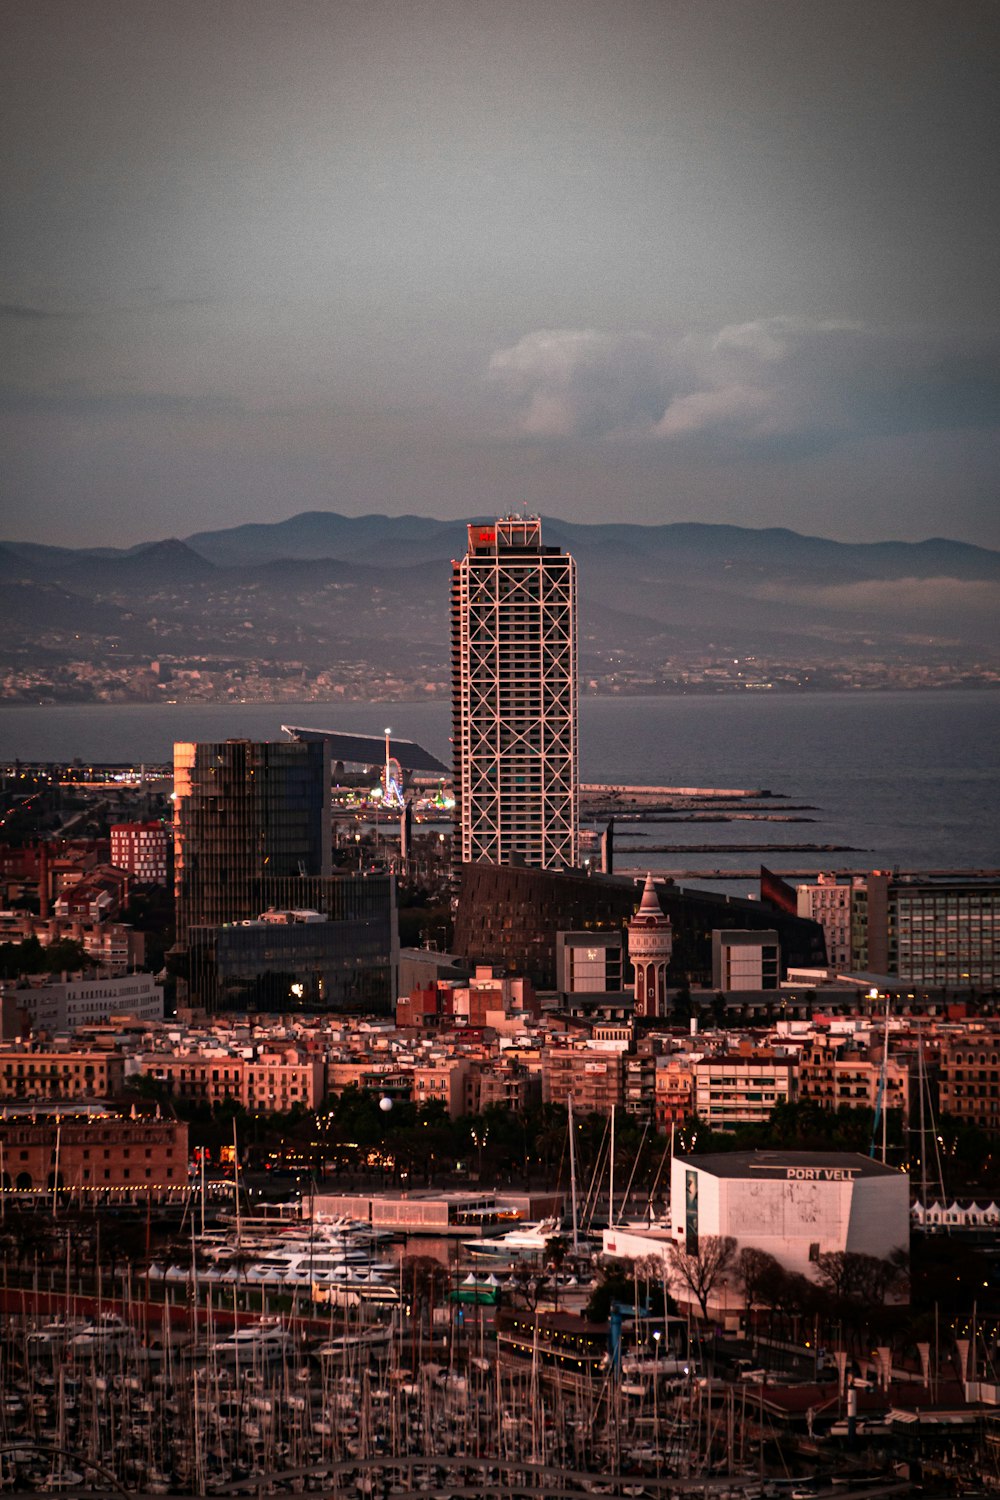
column 320, row 589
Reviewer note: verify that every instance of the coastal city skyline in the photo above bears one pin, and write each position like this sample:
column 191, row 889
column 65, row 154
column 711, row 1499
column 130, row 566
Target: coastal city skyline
column 499, row 875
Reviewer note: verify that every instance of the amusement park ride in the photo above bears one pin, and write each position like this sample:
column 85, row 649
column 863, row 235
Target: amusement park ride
column 408, row 775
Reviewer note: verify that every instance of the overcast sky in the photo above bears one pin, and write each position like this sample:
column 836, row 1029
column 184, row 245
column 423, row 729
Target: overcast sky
column 719, row 260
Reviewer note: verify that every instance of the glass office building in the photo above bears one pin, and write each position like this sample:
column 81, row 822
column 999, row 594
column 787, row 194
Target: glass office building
column 339, row 953
column 244, row 810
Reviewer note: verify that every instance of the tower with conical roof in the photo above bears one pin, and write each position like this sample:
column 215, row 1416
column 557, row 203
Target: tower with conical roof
column 650, row 944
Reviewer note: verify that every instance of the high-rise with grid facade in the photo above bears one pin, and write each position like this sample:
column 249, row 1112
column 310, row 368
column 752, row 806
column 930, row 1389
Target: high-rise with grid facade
column 514, row 699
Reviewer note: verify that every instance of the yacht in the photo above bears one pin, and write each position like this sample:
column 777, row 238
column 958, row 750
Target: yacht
column 260, row 1341
column 517, row 1244
column 106, row 1332
column 365, row 1340
column 53, row 1336
column 307, row 1268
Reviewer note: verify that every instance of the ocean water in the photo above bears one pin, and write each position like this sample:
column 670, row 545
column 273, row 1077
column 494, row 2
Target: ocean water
column 906, row 779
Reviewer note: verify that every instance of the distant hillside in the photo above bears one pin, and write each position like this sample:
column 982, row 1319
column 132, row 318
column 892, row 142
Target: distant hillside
column 386, row 541
column 363, row 600
column 156, row 563
column 400, row 541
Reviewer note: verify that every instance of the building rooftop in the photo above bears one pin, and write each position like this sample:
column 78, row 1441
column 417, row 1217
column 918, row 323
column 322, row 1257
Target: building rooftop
column 779, row 1163
column 369, row 749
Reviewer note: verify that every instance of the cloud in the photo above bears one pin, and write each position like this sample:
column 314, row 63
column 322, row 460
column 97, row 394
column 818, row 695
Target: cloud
column 772, row 385
column 565, row 382
column 892, row 596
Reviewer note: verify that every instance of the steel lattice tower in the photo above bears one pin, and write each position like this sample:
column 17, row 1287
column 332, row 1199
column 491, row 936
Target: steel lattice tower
column 514, row 699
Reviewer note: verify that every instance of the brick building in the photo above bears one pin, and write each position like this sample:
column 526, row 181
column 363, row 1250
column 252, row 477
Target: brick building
column 93, row 1154
column 95, row 897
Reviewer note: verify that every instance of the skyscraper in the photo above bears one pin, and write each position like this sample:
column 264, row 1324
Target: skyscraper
column 244, row 812
column 514, row 698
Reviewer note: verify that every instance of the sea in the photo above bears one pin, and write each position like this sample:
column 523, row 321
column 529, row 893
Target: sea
column 901, row 780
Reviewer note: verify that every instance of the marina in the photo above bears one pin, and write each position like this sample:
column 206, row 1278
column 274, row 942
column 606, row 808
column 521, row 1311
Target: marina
column 314, row 1357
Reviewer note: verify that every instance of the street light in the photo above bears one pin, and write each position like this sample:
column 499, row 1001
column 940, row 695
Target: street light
column 657, row 1335
column 479, row 1141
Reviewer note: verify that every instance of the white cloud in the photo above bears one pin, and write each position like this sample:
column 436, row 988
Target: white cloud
column 773, row 382
column 733, row 405
column 564, row 382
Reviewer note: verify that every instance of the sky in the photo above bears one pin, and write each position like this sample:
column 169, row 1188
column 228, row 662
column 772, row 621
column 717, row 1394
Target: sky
column 643, row 260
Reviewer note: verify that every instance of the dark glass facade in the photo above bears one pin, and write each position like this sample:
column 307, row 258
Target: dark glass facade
column 245, row 810
column 345, row 962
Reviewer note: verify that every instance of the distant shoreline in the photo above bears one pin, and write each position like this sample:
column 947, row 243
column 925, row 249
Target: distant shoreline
column 631, row 693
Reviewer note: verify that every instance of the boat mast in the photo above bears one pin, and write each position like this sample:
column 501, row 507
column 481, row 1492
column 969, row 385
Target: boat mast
column 572, row 1175
column 885, row 1080
column 611, row 1174
column 236, row 1183
column 55, row 1174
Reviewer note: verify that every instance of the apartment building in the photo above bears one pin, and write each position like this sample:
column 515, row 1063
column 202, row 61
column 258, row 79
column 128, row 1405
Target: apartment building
column 33, row 1073
column 276, row 1081
column 594, row 1080
column 142, row 850
column 969, row 1076
column 447, row 1080
column 743, row 1087
column 828, row 902
column 833, row 1073
column 212, row 1079
column 673, row 1091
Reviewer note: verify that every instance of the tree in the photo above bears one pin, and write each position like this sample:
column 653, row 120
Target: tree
column 30, row 957
column 615, row 1283
column 756, row 1271
column 526, row 1286
column 423, row 1280
column 703, row 1270
column 868, row 1279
